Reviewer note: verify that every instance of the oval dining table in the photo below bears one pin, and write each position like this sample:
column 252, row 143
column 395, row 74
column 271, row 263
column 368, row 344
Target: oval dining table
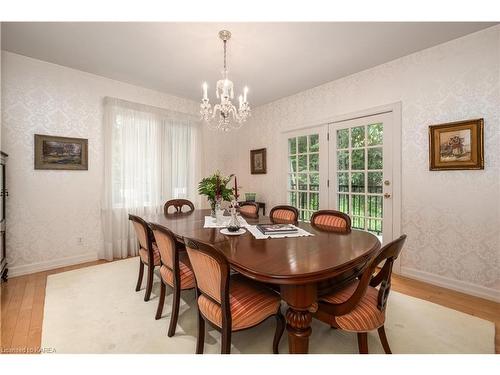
column 297, row 265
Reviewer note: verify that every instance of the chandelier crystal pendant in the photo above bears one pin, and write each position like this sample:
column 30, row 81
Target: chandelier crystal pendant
column 224, row 116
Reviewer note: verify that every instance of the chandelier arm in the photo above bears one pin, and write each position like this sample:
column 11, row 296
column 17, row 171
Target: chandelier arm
column 216, row 108
column 235, row 113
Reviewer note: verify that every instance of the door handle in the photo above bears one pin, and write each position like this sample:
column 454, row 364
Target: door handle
column 387, row 195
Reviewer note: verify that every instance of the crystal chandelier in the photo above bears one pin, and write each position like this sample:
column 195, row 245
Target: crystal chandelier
column 224, row 116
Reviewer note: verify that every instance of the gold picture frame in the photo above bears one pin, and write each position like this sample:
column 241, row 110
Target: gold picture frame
column 61, row 153
column 456, row 145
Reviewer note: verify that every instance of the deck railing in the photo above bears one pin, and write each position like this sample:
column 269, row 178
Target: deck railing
column 370, row 220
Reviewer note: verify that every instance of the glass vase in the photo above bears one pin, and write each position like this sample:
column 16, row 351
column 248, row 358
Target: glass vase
column 215, row 205
column 212, row 209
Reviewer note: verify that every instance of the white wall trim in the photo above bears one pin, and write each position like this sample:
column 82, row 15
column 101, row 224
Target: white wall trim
column 51, row 264
column 372, row 111
column 457, row 285
column 397, row 175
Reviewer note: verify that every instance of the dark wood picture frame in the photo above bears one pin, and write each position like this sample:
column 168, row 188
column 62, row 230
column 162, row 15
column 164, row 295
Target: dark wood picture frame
column 258, row 166
column 62, row 157
column 447, row 147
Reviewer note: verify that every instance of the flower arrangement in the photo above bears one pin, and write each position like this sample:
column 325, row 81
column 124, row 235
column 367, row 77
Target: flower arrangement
column 215, row 189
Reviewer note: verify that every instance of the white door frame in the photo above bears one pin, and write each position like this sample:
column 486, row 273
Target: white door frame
column 396, row 110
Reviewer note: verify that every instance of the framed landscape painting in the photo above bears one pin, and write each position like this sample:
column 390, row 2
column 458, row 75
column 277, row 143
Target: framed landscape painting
column 60, row 153
column 258, row 161
column 456, row 145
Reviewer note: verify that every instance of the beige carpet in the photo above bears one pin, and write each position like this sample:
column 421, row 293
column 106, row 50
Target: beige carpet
column 96, row 310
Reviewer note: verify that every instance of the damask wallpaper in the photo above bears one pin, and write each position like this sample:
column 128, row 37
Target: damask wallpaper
column 452, row 218
column 54, row 217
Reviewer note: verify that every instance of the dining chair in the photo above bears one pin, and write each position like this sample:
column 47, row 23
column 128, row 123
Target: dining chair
column 360, row 307
column 175, row 271
column 331, row 221
column 230, row 303
column 284, row 214
column 335, row 222
column 249, row 209
column 178, row 204
column 149, row 254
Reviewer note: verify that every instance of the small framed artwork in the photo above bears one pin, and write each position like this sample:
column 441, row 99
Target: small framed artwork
column 60, row 153
column 258, row 161
column 456, row 145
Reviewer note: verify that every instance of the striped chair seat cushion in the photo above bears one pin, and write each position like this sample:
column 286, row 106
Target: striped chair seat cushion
column 185, row 271
column 143, row 253
column 282, row 216
column 364, row 317
column 248, row 210
column 330, row 223
column 250, row 304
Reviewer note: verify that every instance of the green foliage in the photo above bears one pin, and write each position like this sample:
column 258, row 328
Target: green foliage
column 358, row 136
column 343, row 138
column 215, row 187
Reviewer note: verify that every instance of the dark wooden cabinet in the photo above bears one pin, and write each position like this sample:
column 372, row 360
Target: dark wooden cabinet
column 3, row 198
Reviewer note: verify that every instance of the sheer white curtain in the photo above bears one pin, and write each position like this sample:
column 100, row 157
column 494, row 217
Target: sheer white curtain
column 151, row 155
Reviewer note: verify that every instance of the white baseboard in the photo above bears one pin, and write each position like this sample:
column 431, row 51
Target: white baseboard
column 457, row 285
column 50, row 264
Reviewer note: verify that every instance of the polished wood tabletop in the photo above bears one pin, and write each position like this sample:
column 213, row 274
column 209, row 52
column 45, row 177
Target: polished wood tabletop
column 296, row 264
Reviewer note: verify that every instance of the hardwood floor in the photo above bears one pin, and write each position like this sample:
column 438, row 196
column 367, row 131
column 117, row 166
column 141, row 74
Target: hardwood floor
column 22, row 301
column 482, row 308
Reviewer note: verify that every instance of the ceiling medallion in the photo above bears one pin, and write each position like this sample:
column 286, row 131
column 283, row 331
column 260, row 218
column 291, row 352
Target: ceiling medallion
column 224, row 116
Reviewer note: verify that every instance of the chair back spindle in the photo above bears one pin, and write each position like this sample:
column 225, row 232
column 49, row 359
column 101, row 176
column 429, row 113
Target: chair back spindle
column 389, row 253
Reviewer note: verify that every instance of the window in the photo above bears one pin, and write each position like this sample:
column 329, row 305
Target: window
column 150, row 156
column 304, row 174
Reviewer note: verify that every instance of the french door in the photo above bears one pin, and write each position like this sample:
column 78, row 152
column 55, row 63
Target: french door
column 360, row 172
column 346, row 166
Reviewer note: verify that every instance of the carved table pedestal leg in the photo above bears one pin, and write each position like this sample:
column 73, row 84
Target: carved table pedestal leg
column 299, row 298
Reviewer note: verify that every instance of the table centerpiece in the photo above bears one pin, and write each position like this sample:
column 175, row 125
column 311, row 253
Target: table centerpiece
column 215, row 189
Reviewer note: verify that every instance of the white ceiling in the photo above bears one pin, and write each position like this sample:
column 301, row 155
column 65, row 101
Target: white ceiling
column 274, row 59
